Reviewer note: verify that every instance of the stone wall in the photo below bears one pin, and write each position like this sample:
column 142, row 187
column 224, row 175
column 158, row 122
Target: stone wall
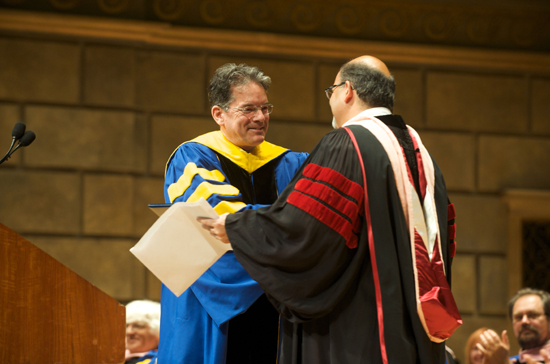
column 108, row 113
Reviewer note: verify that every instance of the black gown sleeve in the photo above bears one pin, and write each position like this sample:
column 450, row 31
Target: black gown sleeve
column 301, row 249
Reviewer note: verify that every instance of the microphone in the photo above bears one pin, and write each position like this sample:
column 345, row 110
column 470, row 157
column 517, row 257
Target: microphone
column 18, row 133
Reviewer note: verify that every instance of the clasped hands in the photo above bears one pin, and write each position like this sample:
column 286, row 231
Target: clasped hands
column 216, row 227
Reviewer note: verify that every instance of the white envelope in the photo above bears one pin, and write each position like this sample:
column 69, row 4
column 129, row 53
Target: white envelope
column 176, row 249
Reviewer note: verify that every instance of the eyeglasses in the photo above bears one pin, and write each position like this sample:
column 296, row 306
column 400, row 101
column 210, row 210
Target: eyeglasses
column 251, row 110
column 329, row 90
column 530, row 316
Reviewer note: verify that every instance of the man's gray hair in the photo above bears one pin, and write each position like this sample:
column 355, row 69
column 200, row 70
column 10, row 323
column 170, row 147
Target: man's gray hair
column 231, row 75
column 144, row 312
column 373, row 87
column 544, row 296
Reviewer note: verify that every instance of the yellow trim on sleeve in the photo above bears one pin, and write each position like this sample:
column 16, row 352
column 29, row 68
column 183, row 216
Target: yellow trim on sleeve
column 179, row 187
column 207, row 189
column 228, row 206
column 146, row 361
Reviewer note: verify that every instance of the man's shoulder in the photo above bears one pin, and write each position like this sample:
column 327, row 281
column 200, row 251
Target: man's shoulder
column 292, row 158
column 335, row 142
column 210, row 140
column 192, row 151
column 336, row 133
column 192, row 146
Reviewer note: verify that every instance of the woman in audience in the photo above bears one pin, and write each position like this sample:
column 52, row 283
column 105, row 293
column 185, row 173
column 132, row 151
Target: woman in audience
column 472, row 354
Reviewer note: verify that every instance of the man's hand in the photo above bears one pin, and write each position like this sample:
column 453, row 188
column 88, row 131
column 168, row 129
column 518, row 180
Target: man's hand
column 216, row 227
column 495, row 350
column 543, row 352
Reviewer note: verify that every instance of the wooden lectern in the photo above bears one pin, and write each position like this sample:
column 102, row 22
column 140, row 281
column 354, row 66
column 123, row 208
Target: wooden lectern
column 49, row 314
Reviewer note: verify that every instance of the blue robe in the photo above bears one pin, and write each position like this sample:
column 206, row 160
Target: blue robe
column 194, row 326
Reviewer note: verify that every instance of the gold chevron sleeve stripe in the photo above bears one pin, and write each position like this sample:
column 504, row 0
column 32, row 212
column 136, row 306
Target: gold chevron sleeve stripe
column 228, row 206
column 207, row 189
column 179, row 187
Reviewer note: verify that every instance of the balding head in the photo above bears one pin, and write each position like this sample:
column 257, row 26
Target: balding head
column 374, row 63
column 371, row 79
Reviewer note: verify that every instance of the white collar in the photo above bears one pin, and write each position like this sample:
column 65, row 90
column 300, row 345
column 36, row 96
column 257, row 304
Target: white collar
column 375, row 111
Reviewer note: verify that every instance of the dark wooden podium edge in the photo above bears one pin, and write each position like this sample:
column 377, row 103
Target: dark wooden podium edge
column 49, row 314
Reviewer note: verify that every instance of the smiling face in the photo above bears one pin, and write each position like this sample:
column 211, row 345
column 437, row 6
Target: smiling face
column 531, row 325
column 139, row 338
column 245, row 131
column 476, row 356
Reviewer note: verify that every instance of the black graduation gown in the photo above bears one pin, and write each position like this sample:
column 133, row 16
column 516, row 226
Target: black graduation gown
column 319, row 275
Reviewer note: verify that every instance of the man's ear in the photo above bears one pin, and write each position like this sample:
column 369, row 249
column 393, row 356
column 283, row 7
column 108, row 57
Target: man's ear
column 349, row 92
column 217, row 115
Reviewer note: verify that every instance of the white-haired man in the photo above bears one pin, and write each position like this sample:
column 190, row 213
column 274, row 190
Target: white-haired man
column 142, row 331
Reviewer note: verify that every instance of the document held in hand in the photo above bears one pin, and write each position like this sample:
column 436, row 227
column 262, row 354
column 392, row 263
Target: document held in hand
column 176, row 249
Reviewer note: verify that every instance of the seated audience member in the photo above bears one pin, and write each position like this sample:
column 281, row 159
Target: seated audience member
column 529, row 311
column 472, row 353
column 142, row 331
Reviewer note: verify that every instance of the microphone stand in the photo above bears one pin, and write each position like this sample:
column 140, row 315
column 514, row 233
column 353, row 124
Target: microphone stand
column 25, row 138
column 4, row 158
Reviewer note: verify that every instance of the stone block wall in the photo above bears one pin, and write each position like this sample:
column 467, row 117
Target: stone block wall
column 107, row 116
